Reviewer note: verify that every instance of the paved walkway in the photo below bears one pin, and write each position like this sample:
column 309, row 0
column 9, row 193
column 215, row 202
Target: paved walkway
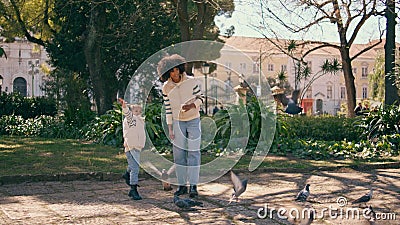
column 106, row 202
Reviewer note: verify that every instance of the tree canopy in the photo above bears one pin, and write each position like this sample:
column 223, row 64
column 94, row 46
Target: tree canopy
column 103, row 42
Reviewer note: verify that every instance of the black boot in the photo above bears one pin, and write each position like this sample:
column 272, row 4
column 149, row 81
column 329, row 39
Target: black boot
column 127, row 178
column 133, row 193
column 181, row 190
column 193, row 191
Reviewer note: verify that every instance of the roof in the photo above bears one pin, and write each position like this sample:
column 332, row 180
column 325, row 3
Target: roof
column 253, row 44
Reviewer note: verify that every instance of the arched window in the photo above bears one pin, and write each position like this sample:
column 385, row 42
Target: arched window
column 19, row 85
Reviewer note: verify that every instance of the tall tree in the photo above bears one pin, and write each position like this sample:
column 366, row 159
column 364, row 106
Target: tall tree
column 304, row 16
column 377, row 79
column 101, row 41
column 196, row 17
column 114, row 37
column 26, row 18
column 391, row 91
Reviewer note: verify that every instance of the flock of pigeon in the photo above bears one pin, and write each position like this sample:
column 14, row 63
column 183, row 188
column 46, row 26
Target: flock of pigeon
column 305, row 192
column 239, row 187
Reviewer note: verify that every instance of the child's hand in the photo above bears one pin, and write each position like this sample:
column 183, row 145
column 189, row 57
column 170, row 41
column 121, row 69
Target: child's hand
column 123, row 103
column 171, row 132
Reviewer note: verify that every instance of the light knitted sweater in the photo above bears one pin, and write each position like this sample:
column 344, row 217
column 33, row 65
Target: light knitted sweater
column 175, row 95
column 133, row 131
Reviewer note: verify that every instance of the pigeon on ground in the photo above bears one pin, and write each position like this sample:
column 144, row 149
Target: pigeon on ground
column 239, row 186
column 303, row 194
column 186, row 203
column 164, row 174
column 363, row 199
column 290, row 103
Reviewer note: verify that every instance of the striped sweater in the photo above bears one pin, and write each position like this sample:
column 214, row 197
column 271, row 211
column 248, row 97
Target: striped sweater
column 175, row 95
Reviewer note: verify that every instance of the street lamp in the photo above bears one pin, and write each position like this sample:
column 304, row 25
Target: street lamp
column 205, row 68
column 1, row 82
column 33, row 70
column 215, row 87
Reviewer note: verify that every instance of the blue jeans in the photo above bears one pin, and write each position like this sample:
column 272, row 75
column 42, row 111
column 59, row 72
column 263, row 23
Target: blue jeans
column 133, row 158
column 186, row 151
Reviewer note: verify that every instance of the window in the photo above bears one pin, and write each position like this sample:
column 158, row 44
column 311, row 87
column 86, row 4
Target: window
column 342, row 92
column 270, row 67
column 329, row 91
column 364, row 72
column 283, row 68
column 354, row 71
column 256, row 67
column 364, row 92
column 242, row 67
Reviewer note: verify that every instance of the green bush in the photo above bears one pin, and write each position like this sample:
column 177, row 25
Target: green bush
column 16, row 104
column 43, row 126
column 385, row 146
column 154, row 113
column 106, row 129
column 385, row 121
column 254, row 112
column 327, row 128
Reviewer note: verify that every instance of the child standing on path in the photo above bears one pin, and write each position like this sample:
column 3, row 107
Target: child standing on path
column 134, row 140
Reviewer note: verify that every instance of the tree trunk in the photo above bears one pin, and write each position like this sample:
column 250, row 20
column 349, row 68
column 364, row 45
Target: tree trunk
column 391, row 92
column 198, row 31
column 93, row 57
column 349, row 81
column 182, row 8
column 346, row 62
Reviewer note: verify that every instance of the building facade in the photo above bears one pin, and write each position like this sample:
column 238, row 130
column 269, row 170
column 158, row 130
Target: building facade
column 326, row 93
column 23, row 69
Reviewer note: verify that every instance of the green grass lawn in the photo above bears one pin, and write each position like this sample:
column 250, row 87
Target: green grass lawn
column 24, row 155
column 21, row 155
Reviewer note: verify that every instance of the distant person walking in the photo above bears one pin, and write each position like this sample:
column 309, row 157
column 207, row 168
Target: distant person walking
column 182, row 100
column 134, row 141
column 215, row 110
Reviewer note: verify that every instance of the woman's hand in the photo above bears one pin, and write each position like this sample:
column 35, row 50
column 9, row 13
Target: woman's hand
column 188, row 107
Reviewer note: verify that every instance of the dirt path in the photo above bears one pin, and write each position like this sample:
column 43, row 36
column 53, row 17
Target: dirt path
column 105, row 202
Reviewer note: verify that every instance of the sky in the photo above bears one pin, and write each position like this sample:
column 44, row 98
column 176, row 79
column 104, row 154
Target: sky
column 247, row 16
